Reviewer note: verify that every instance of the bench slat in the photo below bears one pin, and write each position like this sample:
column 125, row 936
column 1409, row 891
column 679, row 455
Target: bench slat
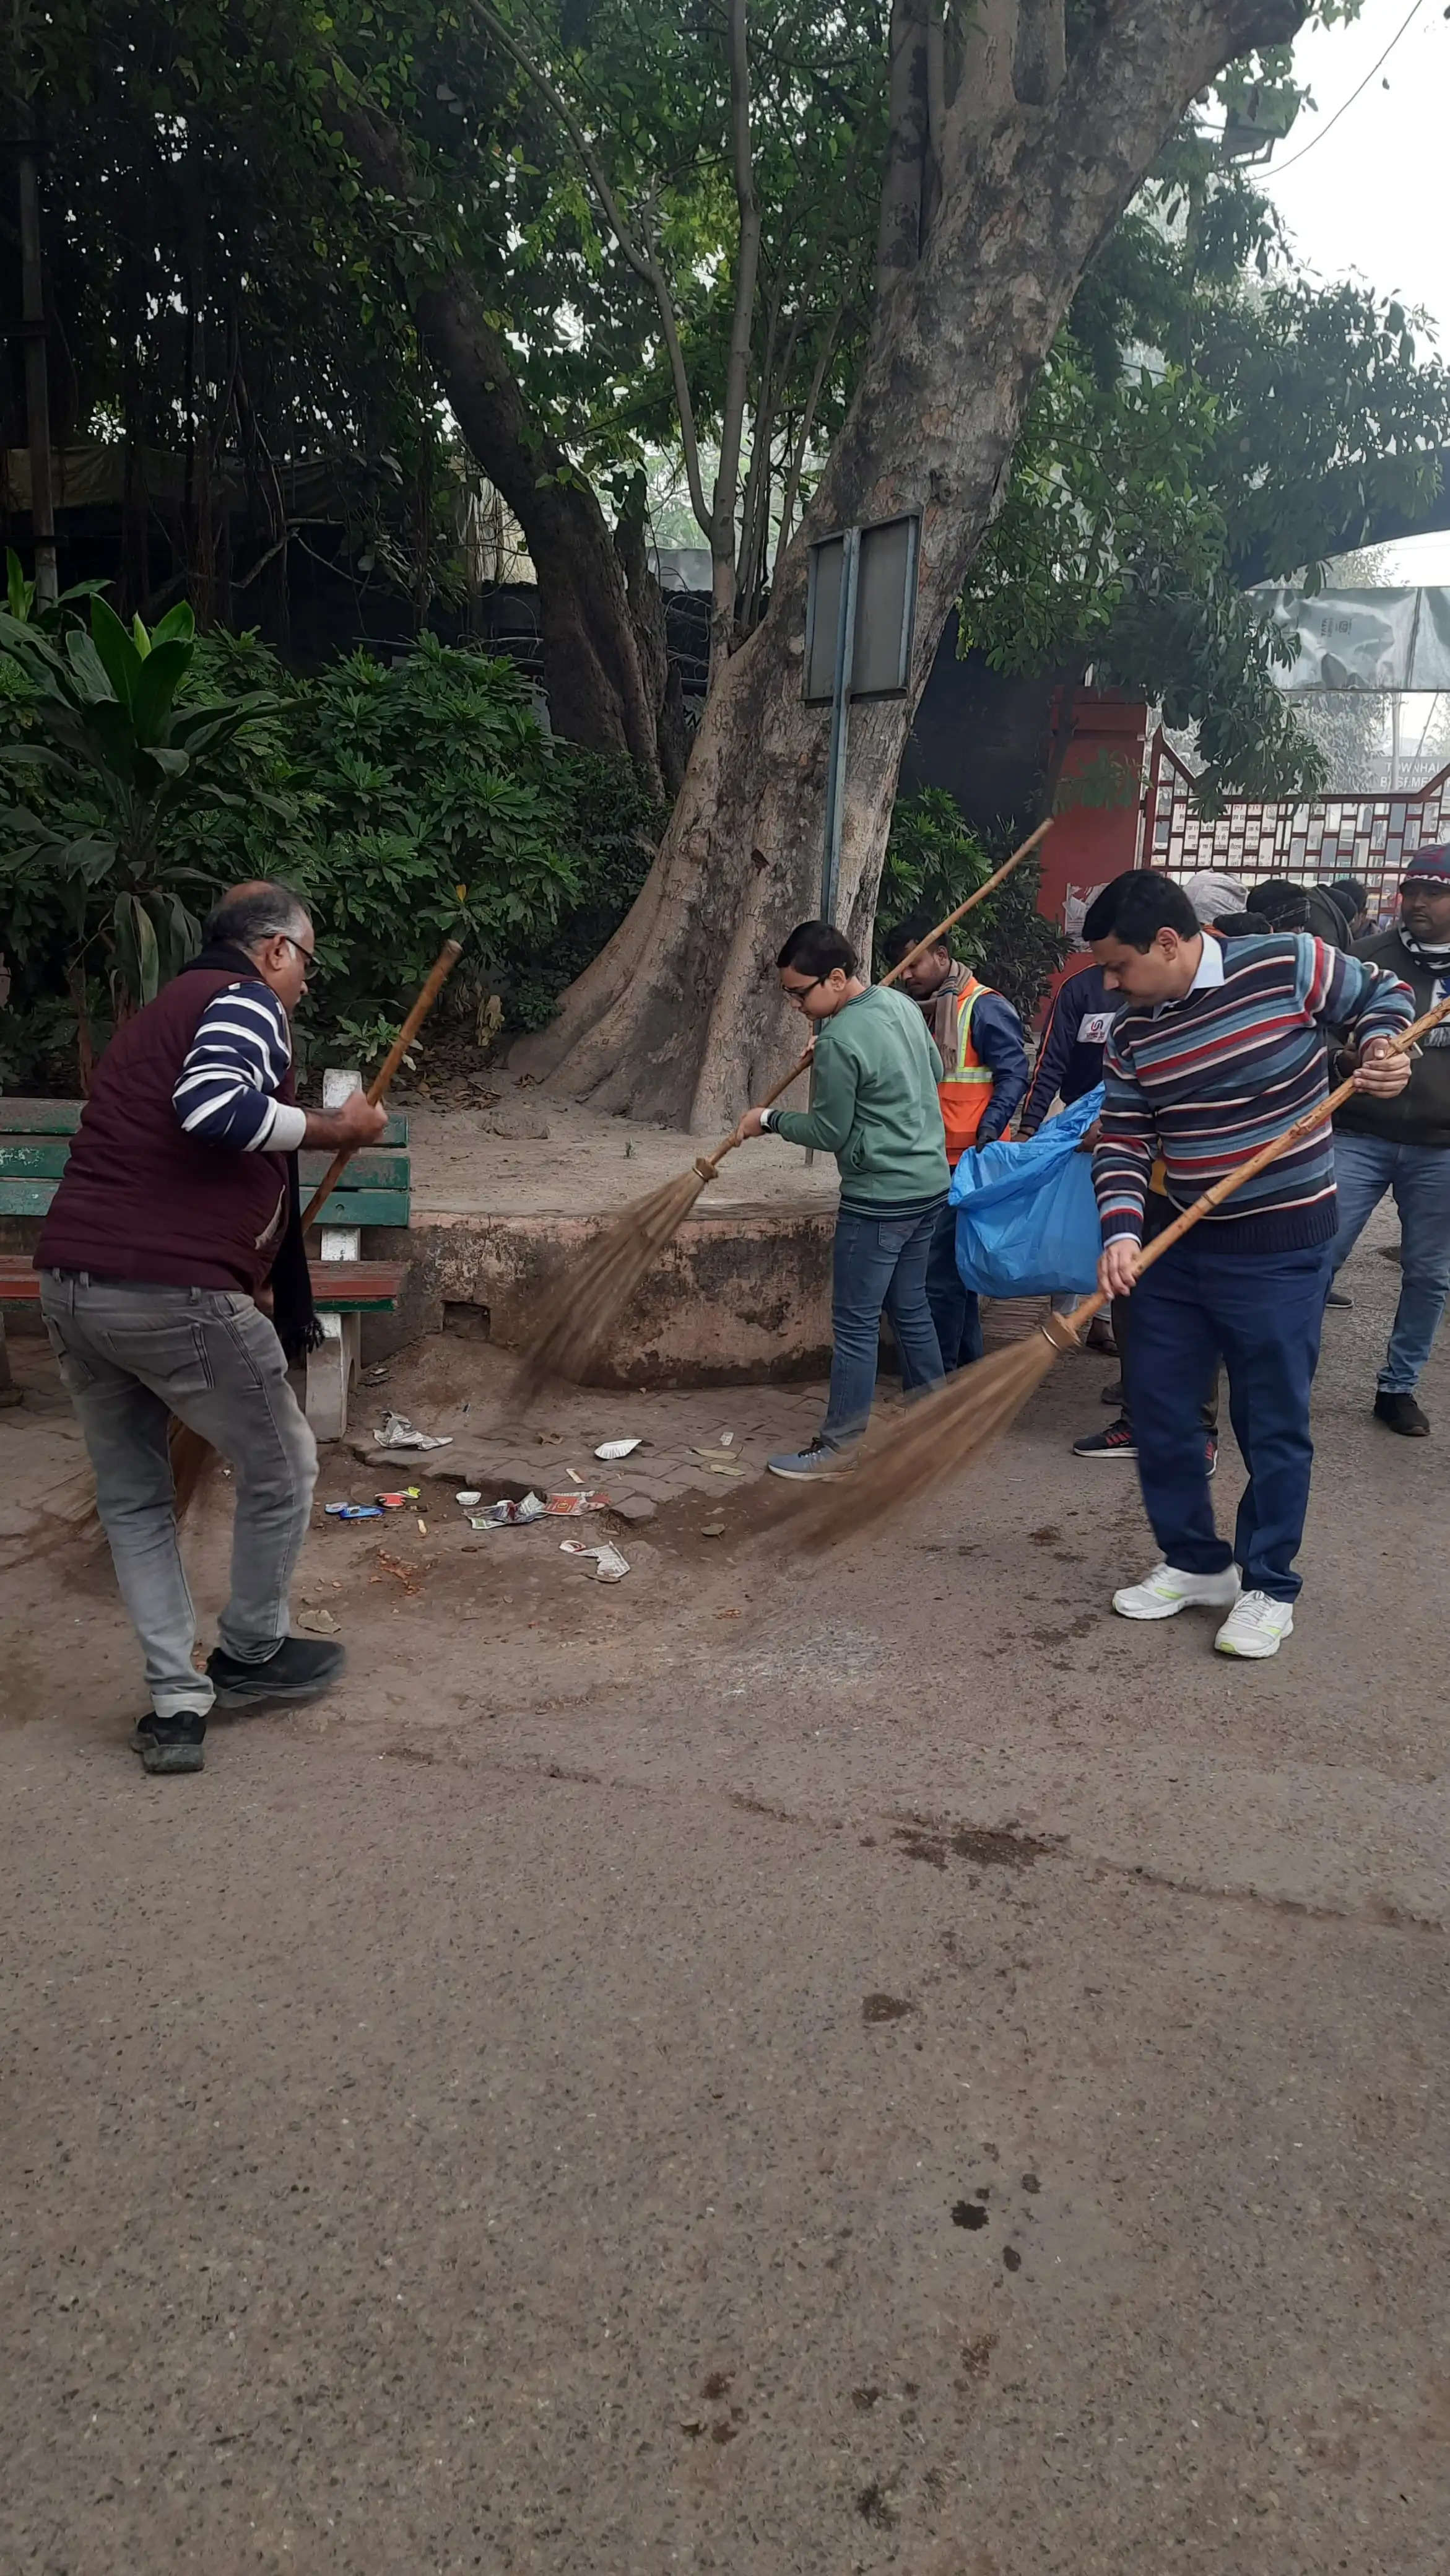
column 364, row 1207
column 63, row 1117
column 345, row 1207
column 343, row 1287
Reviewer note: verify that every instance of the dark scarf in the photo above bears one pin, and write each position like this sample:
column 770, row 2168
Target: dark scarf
column 293, row 1312
column 1436, row 961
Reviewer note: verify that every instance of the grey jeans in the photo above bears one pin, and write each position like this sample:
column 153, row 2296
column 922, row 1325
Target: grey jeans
column 130, row 1354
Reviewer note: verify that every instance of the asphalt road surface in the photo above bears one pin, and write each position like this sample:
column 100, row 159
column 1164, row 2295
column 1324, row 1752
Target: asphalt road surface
column 776, row 2067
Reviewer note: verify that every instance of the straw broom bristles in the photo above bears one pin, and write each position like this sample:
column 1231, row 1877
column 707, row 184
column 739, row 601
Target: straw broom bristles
column 940, row 1432
column 582, row 1311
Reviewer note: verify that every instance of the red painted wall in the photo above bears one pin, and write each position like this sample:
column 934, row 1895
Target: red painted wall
column 1095, row 832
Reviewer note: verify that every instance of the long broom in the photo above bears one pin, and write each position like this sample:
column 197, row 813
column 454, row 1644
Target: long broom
column 191, row 1456
column 942, row 1431
column 579, row 1317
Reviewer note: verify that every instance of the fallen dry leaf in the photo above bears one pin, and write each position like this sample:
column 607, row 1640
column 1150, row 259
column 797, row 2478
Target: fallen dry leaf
column 410, row 1576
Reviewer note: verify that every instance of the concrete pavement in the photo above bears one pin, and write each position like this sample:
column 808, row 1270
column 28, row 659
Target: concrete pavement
column 768, row 2068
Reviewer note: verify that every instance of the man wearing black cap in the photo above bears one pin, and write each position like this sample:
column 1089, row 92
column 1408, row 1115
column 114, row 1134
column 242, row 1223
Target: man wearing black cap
column 1403, row 1144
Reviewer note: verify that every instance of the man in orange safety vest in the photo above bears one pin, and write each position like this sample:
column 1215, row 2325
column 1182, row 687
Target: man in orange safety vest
column 979, row 1039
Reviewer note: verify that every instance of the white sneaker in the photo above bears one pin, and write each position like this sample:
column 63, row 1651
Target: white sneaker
column 1256, row 1625
column 1168, row 1590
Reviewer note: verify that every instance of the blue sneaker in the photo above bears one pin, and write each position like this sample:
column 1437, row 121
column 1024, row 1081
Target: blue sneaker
column 816, row 1464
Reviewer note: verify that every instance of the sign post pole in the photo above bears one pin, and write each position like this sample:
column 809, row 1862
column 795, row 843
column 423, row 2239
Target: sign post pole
column 840, row 722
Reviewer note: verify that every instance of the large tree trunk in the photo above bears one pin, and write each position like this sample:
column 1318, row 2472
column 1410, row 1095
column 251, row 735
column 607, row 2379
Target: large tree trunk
column 605, row 670
column 679, row 1019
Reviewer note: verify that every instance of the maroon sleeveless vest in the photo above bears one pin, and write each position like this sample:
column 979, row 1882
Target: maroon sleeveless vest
column 139, row 1198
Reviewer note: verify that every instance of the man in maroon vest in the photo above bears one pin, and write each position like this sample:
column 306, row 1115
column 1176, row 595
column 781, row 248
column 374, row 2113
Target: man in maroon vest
column 177, row 1209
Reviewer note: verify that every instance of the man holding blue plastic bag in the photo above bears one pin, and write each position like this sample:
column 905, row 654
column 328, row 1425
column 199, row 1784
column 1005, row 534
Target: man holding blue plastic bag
column 978, row 1036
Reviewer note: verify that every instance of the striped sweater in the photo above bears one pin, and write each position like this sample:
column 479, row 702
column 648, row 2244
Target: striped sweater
column 1205, row 1081
column 235, row 1064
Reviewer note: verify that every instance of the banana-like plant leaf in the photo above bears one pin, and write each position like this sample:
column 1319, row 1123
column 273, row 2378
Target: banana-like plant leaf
column 178, row 626
column 157, row 681
column 90, row 680
column 137, row 954
column 198, row 728
column 18, row 590
column 110, row 739
column 139, row 636
column 91, row 859
column 167, row 758
column 117, row 652
column 37, row 658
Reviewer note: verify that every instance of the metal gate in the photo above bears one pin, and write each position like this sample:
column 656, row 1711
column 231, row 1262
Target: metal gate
column 1369, row 837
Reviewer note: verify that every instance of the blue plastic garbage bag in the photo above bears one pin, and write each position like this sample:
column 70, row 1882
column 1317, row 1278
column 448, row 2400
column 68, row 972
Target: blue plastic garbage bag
column 1027, row 1219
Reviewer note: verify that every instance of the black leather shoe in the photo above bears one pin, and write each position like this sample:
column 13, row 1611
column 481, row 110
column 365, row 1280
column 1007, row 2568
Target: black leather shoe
column 1401, row 1413
column 300, row 1668
column 171, row 1743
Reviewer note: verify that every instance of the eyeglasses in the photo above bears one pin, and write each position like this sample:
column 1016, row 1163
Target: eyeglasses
column 309, row 955
column 797, row 992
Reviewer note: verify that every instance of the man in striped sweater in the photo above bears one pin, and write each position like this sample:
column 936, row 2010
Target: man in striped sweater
column 1220, row 1047
column 176, row 1220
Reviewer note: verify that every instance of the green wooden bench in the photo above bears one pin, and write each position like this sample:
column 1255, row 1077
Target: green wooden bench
column 375, row 1189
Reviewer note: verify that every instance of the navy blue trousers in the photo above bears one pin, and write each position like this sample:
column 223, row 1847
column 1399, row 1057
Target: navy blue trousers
column 1261, row 1313
column 954, row 1309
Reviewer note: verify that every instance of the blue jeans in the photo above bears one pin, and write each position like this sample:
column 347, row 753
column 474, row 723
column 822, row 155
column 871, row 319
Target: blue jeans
column 1262, row 1314
column 878, row 1261
column 1419, row 1175
column 954, row 1309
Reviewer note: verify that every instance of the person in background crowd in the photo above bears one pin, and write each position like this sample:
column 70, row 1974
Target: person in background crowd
column 1282, row 905
column 1070, row 1058
column 1353, row 901
column 1070, row 1064
column 1217, row 1051
column 978, row 1036
column 875, row 1106
column 1212, row 894
column 1403, row 1145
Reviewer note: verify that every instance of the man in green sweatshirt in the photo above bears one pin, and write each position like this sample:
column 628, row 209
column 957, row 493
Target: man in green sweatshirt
column 874, row 1105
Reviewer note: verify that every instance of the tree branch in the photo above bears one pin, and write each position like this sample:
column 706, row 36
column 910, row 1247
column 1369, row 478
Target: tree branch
column 984, row 89
column 642, row 256
column 737, row 369
column 803, row 440
column 902, row 228
column 1039, row 62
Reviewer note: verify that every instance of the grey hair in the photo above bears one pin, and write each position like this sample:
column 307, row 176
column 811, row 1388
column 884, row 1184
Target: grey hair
column 252, row 913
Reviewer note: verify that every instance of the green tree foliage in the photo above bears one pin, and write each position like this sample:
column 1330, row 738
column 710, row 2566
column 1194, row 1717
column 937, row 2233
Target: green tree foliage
column 1209, row 418
column 934, row 860
column 101, row 728
column 408, row 803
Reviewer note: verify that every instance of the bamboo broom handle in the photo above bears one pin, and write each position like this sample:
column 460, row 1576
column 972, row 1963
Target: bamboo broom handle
column 442, row 967
column 709, row 1164
column 1248, row 1171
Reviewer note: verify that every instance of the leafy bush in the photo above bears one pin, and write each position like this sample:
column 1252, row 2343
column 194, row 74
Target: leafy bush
column 408, row 803
column 934, row 860
column 113, row 757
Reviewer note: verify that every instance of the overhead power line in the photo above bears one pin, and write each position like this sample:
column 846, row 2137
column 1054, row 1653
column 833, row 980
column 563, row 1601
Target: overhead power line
column 1353, row 95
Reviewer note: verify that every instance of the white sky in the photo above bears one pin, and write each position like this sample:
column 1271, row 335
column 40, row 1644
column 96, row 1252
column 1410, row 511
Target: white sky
column 1370, row 197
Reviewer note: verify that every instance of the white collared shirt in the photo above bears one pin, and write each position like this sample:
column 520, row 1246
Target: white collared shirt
column 1207, row 974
